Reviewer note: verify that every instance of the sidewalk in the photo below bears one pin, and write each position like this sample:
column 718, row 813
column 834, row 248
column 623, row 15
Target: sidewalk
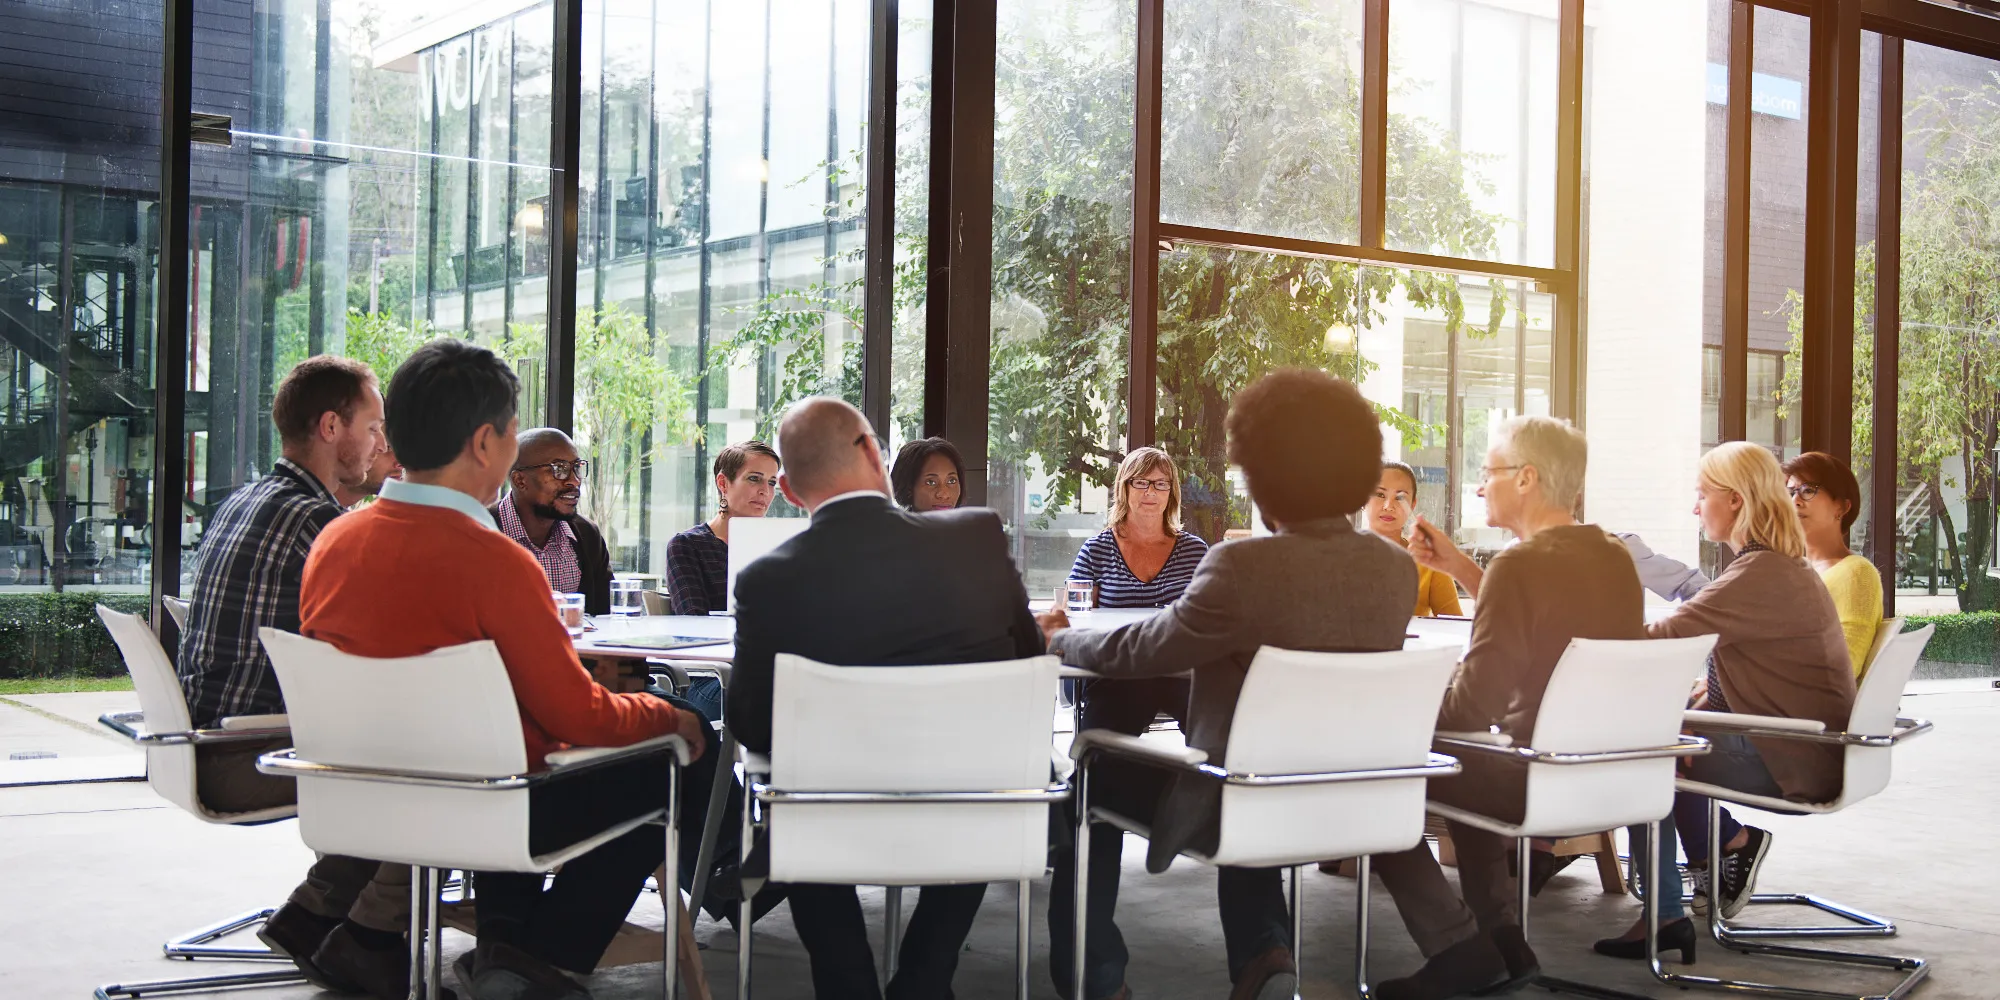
column 47, row 738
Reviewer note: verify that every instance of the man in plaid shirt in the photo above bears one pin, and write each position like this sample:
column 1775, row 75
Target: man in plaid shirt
column 343, row 924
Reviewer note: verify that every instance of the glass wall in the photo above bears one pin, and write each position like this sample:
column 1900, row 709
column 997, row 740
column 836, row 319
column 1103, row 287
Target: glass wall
column 79, row 253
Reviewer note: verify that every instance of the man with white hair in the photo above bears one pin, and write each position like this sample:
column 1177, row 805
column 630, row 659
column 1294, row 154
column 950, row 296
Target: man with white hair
column 1564, row 580
column 870, row 584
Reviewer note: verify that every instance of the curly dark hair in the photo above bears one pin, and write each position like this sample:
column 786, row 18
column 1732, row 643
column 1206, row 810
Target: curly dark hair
column 1309, row 445
column 909, row 465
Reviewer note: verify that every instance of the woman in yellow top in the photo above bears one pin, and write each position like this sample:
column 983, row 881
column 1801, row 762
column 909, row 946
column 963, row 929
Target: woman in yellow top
column 1828, row 499
column 1388, row 514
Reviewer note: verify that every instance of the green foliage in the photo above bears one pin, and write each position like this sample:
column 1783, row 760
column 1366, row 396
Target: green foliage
column 1966, row 637
column 59, row 634
column 1948, row 401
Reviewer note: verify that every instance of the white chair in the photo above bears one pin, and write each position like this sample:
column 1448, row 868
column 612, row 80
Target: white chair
column 927, row 793
column 1602, row 752
column 1873, row 731
column 1353, row 789
column 177, row 609
column 164, row 728
column 435, row 777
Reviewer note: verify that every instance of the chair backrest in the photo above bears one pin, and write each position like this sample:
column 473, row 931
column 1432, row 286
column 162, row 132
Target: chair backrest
column 1876, row 703
column 177, row 609
column 447, row 712
column 1609, row 695
column 958, row 727
column 1308, row 713
column 656, row 602
column 169, row 769
column 752, row 538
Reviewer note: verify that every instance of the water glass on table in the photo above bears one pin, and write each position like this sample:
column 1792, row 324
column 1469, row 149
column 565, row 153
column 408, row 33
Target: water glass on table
column 1079, row 595
column 569, row 607
column 627, row 597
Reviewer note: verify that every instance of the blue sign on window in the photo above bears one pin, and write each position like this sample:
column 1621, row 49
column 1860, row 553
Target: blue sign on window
column 1769, row 95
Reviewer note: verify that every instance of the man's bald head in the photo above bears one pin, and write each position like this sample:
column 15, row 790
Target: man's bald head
column 828, row 449
column 544, row 444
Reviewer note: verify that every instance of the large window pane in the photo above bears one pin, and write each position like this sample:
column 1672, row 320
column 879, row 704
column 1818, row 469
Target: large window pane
column 1261, row 117
column 1472, row 129
column 1782, row 55
column 1061, row 236
column 79, row 256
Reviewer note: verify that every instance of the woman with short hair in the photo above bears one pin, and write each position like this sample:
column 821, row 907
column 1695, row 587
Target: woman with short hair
column 1828, row 499
column 1388, row 514
column 1779, row 651
column 1142, row 558
column 746, row 481
column 928, row 475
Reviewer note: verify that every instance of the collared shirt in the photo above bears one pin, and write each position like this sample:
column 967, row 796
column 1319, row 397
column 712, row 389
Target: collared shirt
column 697, row 571
column 246, row 577
column 425, row 495
column 849, row 495
column 557, row 556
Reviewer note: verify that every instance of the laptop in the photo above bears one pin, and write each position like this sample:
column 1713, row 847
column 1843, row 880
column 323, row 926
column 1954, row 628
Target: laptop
column 751, row 538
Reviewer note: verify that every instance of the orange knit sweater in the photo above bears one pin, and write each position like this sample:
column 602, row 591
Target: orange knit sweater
column 401, row 579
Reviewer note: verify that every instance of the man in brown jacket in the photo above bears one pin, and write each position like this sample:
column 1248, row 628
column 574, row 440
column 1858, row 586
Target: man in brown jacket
column 1563, row 581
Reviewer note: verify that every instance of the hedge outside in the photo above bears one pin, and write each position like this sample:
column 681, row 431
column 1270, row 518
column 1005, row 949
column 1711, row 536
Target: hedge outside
column 59, row 635
column 1961, row 637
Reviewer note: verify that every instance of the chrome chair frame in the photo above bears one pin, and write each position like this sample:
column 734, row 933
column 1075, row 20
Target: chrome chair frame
column 1686, row 746
column 1436, row 766
column 426, row 956
column 195, row 945
column 757, row 793
column 1747, row 940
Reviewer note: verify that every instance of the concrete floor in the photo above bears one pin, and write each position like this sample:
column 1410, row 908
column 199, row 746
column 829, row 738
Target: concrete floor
column 95, row 876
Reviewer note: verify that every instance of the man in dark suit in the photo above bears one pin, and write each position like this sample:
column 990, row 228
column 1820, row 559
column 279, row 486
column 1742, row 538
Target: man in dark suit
column 869, row 584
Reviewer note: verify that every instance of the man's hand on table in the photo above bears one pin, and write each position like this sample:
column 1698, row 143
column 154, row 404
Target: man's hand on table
column 1055, row 619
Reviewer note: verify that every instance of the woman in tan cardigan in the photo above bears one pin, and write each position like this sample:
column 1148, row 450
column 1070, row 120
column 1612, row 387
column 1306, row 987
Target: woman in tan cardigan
column 1779, row 651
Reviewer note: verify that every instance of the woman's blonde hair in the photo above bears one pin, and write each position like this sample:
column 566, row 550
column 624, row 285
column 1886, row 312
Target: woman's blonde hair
column 1768, row 517
column 1136, row 466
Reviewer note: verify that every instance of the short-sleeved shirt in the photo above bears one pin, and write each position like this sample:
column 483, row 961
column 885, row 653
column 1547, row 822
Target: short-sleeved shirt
column 1100, row 562
column 557, row 556
column 246, row 576
column 697, row 571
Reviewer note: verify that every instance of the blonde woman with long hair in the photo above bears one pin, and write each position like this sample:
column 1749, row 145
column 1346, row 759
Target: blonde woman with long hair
column 1142, row 558
column 1779, row 651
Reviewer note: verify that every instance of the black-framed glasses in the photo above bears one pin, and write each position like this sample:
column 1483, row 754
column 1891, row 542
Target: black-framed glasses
column 1803, row 491
column 566, row 471
column 1158, row 485
column 881, row 443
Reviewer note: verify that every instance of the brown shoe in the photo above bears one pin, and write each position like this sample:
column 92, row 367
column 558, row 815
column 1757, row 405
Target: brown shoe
column 383, row 972
column 1464, row 969
column 1271, row 968
column 296, row 933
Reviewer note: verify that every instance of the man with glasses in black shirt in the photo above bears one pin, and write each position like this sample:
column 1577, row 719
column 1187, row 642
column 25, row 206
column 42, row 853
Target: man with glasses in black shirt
column 539, row 510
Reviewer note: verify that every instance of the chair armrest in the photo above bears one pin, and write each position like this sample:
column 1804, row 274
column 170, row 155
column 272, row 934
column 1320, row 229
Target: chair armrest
column 1685, row 746
column 1109, row 741
column 564, row 759
column 753, row 762
column 1804, row 730
column 132, row 726
column 1697, row 719
column 1477, row 738
column 239, row 723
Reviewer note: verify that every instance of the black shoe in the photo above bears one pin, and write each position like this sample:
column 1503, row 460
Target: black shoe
column 296, row 933
column 1522, row 965
column 1739, row 871
column 378, row 962
column 1677, row 936
column 1461, row 970
column 1543, row 866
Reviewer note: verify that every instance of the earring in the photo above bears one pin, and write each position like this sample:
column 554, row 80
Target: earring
column 722, row 505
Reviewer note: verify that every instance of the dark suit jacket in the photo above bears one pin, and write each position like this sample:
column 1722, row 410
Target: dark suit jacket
column 869, row 584
column 1320, row 586
column 593, row 558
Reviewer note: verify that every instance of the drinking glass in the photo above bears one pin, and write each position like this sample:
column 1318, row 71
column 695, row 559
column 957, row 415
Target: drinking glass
column 627, row 597
column 1079, row 595
column 569, row 607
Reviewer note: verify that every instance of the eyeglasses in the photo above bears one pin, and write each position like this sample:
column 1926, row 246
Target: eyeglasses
column 1160, row 485
column 566, row 471
column 1488, row 471
column 881, row 443
column 1803, row 491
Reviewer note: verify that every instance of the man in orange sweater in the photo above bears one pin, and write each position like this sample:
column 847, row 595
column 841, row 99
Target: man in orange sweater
column 423, row 568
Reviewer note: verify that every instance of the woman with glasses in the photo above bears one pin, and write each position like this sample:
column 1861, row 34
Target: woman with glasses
column 928, row 475
column 1828, row 499
column 1779, row 651
column 1388, row 513
column 1142, row 559
column 746, row 481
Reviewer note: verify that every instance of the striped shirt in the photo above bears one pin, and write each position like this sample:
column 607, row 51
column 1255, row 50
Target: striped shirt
column 247, row 575
column 1100, row 562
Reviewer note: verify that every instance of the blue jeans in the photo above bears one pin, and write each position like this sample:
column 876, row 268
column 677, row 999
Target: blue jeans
column 1732, row 762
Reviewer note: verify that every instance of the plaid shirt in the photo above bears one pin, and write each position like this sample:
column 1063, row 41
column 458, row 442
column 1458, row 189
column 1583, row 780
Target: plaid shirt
column 558, row 557
column 247, row 576
column 697, row 572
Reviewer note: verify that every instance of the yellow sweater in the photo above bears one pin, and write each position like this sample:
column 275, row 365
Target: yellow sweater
column 1857, row 595
column 1437, row 594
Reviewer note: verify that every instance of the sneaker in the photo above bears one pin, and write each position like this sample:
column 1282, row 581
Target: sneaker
column 1739, row 871
column 1697, row 874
